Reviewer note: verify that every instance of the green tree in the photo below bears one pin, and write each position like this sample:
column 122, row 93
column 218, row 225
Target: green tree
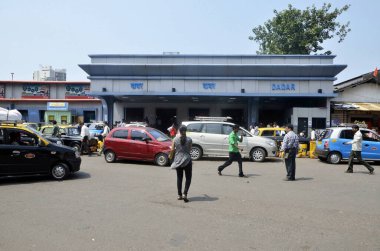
column 294, row 31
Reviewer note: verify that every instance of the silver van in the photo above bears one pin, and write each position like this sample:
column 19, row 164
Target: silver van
column 211, row 139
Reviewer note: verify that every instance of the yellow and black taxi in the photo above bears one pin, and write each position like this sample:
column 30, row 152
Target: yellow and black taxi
column 69, row 135
column 25, row 151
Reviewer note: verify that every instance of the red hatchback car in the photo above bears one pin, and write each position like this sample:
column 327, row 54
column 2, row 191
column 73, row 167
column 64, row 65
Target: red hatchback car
column 137, row 143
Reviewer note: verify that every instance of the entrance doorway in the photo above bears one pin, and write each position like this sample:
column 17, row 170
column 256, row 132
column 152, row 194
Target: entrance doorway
column 134, row 114
column 237, row 115
column 279, row 117
column 88, row 116
column 302, row 125
column 193, row 112
column 165, row 118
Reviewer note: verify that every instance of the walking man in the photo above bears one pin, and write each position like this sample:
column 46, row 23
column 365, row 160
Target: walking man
column 233, row 150
column 85, row 134
column 356, row 151
column 55, row 129
column 289, row 150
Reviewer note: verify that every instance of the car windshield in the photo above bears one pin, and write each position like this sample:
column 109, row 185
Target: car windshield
column 325, row 134
column 36, row 132
column 244, row 132
column 159, row 136
column 96, row 127
column 73, row 131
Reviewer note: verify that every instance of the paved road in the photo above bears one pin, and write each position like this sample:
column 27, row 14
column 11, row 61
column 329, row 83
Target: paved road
column 133, row 206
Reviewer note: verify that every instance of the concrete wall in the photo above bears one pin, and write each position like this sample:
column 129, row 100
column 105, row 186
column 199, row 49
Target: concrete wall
column 365, row 93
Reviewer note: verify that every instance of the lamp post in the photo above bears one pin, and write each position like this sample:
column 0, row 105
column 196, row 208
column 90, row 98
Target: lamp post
column 12, row 75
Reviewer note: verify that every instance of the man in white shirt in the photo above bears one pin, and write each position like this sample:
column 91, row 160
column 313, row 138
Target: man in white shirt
column 106, row 131
column 312, row 135
column 85, row 134
column 356, row 151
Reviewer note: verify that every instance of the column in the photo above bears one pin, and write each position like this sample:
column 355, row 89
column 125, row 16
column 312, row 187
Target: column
column 110, row 100
column 253, row 111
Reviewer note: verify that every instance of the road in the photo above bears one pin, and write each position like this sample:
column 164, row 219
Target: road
column 133, row 206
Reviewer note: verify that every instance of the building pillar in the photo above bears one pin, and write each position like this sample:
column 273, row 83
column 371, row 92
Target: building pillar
column 253, row 112
column 110, row 101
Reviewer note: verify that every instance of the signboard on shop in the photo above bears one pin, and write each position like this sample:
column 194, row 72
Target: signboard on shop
column 77, row 91
column 57, row 106
column 35, row 91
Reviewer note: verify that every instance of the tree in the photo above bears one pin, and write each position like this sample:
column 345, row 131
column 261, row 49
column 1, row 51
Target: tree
column 294, row 31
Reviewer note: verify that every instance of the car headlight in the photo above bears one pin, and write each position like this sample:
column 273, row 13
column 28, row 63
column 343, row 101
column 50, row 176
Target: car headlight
column 271, row 143
column 77, row 154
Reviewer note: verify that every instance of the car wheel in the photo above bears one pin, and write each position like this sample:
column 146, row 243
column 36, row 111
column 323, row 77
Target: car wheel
column 60, row 171
column 334, row 158
column 110, row 156
column 76, row 147
column 196, row 153
column 161, row 159
column 258, row 155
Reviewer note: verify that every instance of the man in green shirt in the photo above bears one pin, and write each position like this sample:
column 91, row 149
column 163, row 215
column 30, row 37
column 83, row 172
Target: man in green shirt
column 233, row 150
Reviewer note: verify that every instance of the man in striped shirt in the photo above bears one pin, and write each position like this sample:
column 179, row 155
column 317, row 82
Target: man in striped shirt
column 289, row 149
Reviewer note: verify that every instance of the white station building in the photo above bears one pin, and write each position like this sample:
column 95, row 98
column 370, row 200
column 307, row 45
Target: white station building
column 251, row 89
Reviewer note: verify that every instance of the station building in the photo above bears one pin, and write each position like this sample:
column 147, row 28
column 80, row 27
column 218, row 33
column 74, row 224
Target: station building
column 44, row 101
column 251, row 89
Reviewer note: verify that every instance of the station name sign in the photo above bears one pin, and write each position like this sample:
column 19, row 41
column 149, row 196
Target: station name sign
column 209, row 86
column 137, row 86
column 283, row 87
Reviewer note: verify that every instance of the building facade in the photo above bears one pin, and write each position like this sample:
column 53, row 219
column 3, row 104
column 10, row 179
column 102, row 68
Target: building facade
column 358, row 100
column 43, row 101
column 251, row 89
column 47, row 73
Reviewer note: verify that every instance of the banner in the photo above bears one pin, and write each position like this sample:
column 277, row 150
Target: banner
column 2, row 91
column 35, row 91
column 57, row 106
column 77, row 91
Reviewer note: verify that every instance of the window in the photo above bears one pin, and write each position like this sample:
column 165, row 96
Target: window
column 324, row 135
column 369, row 136
column 73, row 131
column 50, row 118
column 138, row 135
column 120, row 134
column 318, row 123
column 63, row 119
column 242, row 133
column 159, row 136
column 213, row 128
column 20, row 137
column 227, row 129
column 347, row 134
column 267, row 133
column 196, row 127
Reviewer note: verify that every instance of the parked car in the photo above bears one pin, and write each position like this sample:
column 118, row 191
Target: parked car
column 210, row 138
column 25, row 151
column 70, row 135
column 95, row 129
column 330, row 145
column 137, row 143
column 277, row 134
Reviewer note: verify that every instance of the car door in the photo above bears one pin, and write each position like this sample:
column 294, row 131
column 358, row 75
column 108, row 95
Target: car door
column 213, row 139
column 119, row 143
column 141, row 148
column 5, row 153
column 370, row 145
column 337, row 144
column 28, row 156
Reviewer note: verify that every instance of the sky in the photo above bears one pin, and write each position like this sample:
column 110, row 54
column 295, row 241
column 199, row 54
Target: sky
column 63, row 33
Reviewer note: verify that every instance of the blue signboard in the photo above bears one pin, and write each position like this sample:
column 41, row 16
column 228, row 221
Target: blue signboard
column 209, row 86
column 138, row 86
column 283, row 87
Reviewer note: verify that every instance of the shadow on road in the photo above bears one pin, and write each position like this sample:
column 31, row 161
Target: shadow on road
column 20, row 180
column 205, row 197
column 304, row 178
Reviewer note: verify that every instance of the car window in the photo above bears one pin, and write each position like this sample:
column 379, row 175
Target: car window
column 159, row 136
column 325, row 134
column 369, row 136
column 73, row 131
column 347, row 134
column 196, row 127
column 21, row 137
column 1, row 136
column 280, row 133
column 213, row 128
column 227, row 129
column 138, row 135
column 243, row 133
column 95, row 127
column 47, row 130
column 267, row 133
column 120, row 134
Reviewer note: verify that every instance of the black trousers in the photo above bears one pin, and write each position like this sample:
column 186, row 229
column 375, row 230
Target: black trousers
column 232, row 157
column 290, row 163
column 358, row 156
column 188, row 174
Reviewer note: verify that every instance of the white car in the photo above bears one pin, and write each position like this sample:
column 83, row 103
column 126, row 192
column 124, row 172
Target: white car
column 211, row 139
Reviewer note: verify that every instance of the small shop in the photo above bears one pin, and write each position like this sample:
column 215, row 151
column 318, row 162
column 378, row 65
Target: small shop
column 58, row 111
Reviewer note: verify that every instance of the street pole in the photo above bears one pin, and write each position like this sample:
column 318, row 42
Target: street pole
column 12, row 75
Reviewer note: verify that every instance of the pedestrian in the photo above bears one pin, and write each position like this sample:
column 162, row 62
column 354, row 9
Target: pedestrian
column 312, row 134
column 106, row 131
column 85, row 134
column 233, row 151
column 55, row 129
column 356, row 151
column 181, row 147
column 289, row 149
